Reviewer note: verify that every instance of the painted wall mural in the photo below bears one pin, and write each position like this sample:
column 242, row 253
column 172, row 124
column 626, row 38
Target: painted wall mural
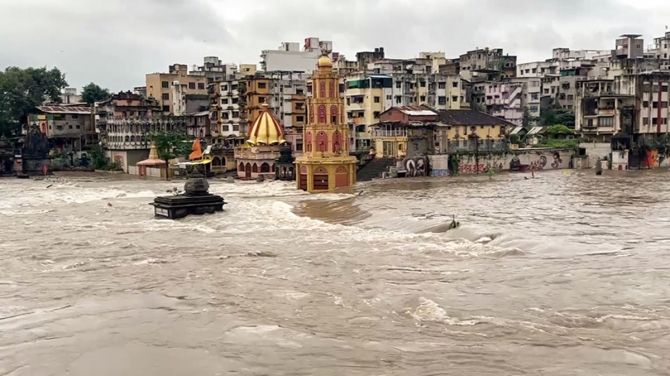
column 417, row 166
column 442, row 165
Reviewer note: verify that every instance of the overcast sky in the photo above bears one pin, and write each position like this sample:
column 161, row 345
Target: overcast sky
column 116, row 42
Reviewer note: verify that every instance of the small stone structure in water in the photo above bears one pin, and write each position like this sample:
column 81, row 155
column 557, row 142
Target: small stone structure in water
column 195, row 200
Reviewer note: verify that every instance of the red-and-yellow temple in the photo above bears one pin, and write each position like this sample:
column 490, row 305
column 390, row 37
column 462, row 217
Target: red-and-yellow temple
column 258, row 155
column 325, row 165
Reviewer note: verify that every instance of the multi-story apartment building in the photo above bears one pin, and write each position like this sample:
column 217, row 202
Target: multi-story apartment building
column 227, row 110
column 288, row 101
column 601, row 112
column 487, row 60
column 363, row 58
column 629, row 46
column 125, row 123
column 661, row 49
column 530, row 97
column 445, row 92
column 169, row 88
column 69, row 128
column 505, row 100
column 214, row 70
column 366, row 97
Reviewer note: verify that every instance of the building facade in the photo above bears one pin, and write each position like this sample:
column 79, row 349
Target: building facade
column 288, row 57
column 170, row 88
column 325, row 164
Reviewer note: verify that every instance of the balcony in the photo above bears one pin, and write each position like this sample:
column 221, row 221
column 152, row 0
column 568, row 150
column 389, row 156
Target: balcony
column 356, row 106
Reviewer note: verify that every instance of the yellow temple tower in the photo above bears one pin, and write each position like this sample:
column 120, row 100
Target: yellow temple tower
column 325, row 164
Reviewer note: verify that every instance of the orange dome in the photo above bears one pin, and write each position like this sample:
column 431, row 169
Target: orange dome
column 266, row 129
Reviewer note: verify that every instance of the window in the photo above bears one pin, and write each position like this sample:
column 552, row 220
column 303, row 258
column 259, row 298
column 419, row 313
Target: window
column 398, row 99
column 389, row 97
column 398, row 85
column 571, row 97
column 201, row 85
column 224, row 87
column 261, row 99
column 442, row 100
column 645, row 104
column 607, row 121
column 377, row 99
column 236, row 127
column 441, row 85
column 422, row 98
column 454, row 84
column 533, row 108
column 422, row 83
column 165, row 96
column 262, row 85
column 165, row 84
column 454, row 98
column 322, row 112
column 645, row 121
column 236, row 114
column 191, row 85
column 534, row 96
column 376, row 114
column 654, row 120
column 664, row 104
column 299, row 118
column 299, row 92
column 654, row 104
column 166, row 108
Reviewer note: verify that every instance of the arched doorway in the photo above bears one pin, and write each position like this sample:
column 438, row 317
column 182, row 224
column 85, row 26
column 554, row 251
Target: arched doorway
column 320, row 181
column 341, row 177
column 247, row 171
column 265, row 167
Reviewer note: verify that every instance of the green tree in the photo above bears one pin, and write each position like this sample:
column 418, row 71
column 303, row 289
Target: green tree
column 557, row 115
column 92, row 93
column 170, row 145
column 22, row 90
column 558, row 130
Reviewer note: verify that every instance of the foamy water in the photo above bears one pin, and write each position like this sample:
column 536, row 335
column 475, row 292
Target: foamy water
column 560, row 275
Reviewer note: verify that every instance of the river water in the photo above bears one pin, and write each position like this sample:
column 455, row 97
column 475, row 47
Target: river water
column 565, row 274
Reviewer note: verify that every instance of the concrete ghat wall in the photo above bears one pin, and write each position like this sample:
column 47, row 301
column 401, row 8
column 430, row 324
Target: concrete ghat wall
column 595, row 151
column 542, row 159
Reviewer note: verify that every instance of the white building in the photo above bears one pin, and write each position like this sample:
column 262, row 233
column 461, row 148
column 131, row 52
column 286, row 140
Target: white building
column 225, row 107
column 289, row 58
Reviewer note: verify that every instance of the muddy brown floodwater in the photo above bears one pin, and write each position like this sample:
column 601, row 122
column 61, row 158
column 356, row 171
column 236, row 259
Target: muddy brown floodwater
column 566, row 274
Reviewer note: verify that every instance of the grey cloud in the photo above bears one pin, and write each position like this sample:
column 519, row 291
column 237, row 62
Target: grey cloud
column 115, row 42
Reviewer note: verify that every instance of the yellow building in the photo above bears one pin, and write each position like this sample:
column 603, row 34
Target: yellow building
column 469, row 130
column 325, row 165
column 367, row 96
column 257, row 94
column 169, row 88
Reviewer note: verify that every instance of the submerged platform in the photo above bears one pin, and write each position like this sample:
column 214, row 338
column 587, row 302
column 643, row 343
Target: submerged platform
column 195, row 200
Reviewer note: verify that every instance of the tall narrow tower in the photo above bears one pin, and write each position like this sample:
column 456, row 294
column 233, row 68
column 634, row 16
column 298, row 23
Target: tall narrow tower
column 325, row 165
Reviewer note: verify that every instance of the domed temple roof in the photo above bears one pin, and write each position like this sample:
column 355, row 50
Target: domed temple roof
column 266, row 129
column 325, row 62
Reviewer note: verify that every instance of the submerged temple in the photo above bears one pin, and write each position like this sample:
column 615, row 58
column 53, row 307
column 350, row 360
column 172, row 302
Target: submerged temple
column 325, row 165
column 265, row 142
